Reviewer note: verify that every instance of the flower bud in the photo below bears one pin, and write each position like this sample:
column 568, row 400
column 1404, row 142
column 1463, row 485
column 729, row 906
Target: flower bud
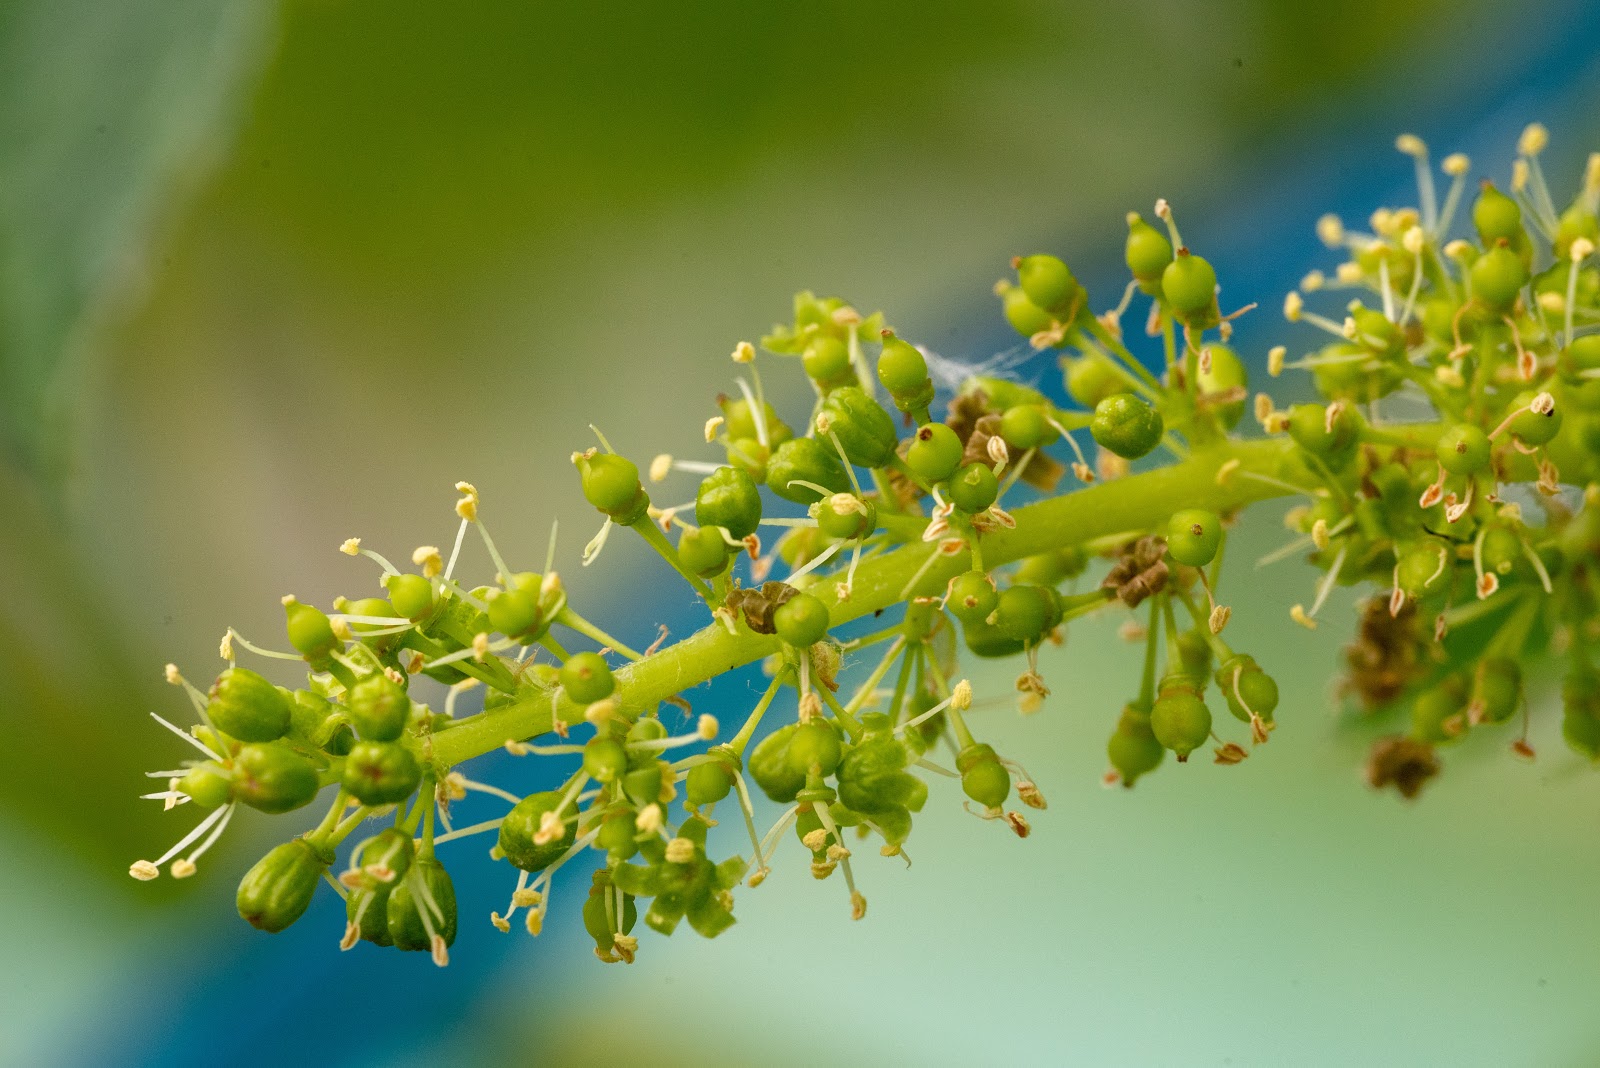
column 378, row 707
column 208, row 785
column 587, row 678
column 770, row 767
column 1179, row 719
column 1189, row 285
column 974, row 488
column 865, row 431
column 381, row 773
column 600, row 917
column 806, row 460
column 983, row 777
column 309, row 630
column 802, row 620
column 389, row 853
column 611, row 484
column 728, row 498
column 245, row 706
column 1133, row 748
column 904, row 373
column 522, row 825
column 274, row 778
column 411, row 595
column 1126, row 426
column 277, row 891
column 1047, row 282
column 319, row 723
column 407, row 928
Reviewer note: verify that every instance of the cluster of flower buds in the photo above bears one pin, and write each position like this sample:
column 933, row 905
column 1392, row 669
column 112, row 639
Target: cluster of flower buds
column 877, row 505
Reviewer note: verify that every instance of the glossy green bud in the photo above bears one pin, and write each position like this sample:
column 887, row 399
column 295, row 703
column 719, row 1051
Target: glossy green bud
column 1126, row 425
column 522, row 825
column 320, row 723
column 770, row 768
column 208, row 785
column 1047, row 282
column 1025, row 317
column 935, row 453
column 814, row 748
column 1133, row 748
column 1421, row 567
column 904, row 373
column 1147, row 251
column 379, row 708
column 1091, row 379
column 1531, row 427
column 1027, row 426
column 846, row 516
column 1247, row 688
column 245, row 706
column 827, row 363
column 806, row 460
column 604, row 759
column 1194, row 653
column 710, row 782
column 1497, row 277
column 642, row 783
column 1463, row 449
column 704, row 551
column 384, row 859
column 407, row 928
column 801, row 621
column 1581, row 356
column 873, row 780
column 974, row 488
column 739, row 421
column 273, row 778
column 277, row 891
column 986, row 640
column 618, row 833
column 587, row 678
column 309, row 630
column 983, row 777
column 1438, row 715
column 1189, row 285
column 729, row 498
column 1226, row 372
column 1193, row 536
column 1026, row 613
column 972, row 597
column 865, row 431
column 1496, row 216
column 1496, row 689
column 380, row 773
column 600, row 917
column 1313, row 431
column 411, row 595
column 514, row 613
column 611, row 484
column 1179, row 719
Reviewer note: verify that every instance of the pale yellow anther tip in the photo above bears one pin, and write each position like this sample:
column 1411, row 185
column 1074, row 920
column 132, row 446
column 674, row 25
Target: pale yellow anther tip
column 1275, row 358
column 183, row 868
column 288, row 599
column 744, row 352
column 351, row 546
column 173, row 675
column 1456, row 164
column 660, row 467
column 1411, row 145
column 713, row 425
column 1330, row 230
column 1298, row 614
column 707, row 727
column 1293, row 305
column 1582, row 248
column 143, row 870
column 1414, row 240
column 1534, row 139
column 1313, row 281
column 961, row 696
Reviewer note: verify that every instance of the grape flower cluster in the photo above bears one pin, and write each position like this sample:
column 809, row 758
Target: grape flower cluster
column 1472, row 522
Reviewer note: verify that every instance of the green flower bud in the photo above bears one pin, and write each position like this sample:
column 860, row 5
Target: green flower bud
column 245, row 706
column 1026, row 613
column 1580, row 356
column 1194, row 653
column 1496, row 216
column 974, row 488
column 208, row 785
column 514, row 613
column 1189, row 285
column 611, row 483
column 587, row 678
column 379, row 708
column 806, row 460
column 704, row 551
column 1133, row 748
column 1496, row 689
column 1179, row 719
column 600, row 917
column 827, row 363
column 1579, row 220
column 275, row 893
column 1047, row 282
column 814, row 748
column 770, row 767
column 1025, row 317
column 389, row 853
column 427, row 886
column 642, row 783
column 935, row 453
column 865, row 431
column 739, row 421
column 801, row 621
column 1247, row 688
column 1126, row 425
column 1054, row 567
column 1193, row 536
column 521, row 827
column 873, row 780
column 1147, row 252
column 710, row 782
column 846, row 516
column 1463, row 449
column 604, row 759
column 618, row 834
column 728, row 498
column 1313, row 431
column 1091, row 379
column 1422, row 567
column 1027, row 426
column 983, row 777
column 972, row 597
column 986, row 640
column 309, row 630
column 904, row 373
column 1531, row 427
column 1497, row 277
column 380, row 773
column 647, row 729
column 1225, row 373
column 411, row 595
column 1439, row 715
column 273, row 778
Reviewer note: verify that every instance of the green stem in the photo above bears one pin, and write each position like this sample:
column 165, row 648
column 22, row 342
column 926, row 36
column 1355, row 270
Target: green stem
column 742, row 739
column 568, row 618
column 658, row 541
column 1138, row 502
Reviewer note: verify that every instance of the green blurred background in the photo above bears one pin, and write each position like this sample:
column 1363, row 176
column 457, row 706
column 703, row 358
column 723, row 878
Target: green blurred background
column 274, row 274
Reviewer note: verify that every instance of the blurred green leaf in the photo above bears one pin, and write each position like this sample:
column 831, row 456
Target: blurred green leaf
column 107, row 112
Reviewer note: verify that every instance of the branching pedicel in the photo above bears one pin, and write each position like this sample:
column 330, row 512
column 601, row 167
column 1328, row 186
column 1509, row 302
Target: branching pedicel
column 1497, row 336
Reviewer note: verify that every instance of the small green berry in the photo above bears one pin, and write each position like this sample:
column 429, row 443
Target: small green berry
column 1247, row 688
column 274, row 778
column 611, row 484
column 983, row 777
column 972, row 597
column 865, row 431
column 1091, row 379
column 1025, row 317
column 802, row 620
column 1313, row 430
column 1496, row 216
column 1047, row 282
column 1225, row 373
column 514, row 613
column 1180, row 720
column 1027, row 426
column 208, row 785
column 1189, row 285
column 587, row 678
column 1463, row 449
column 806, row 460
column 1026, row 613
column 1193, row 536
column 380, row 773
column 1496, row 689
column 604, row 759
column 770, row 768
column 246, row 706
column 846, row 516
column 704, row 551
column 729, row 498
column 1497, row 277
column 1147, row 251
column 708, row 783
column 522, row 825
column 904, row 373
column 278, row 889
column 974, row 488
column 1531, row 427
column 411, row 595
column 827, row 363
column 309, row 630
column 1126, row 425
column 814, row 748
column 406, row 926
column 935, row 453
column 1133, row 748
column 379, row 708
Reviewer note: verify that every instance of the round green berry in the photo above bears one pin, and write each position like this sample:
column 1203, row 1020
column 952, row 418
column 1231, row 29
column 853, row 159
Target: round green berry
column 1497, row 688
column 309, row 630
column 1025, row 613
column 514, row 613
column 704, row 551
column 1225, row 373
column 827, row 363
column 379, row 708
column 1438, row 715
column 1421, row 567
column 1047, row 282
column 411, row 595
column 814, row 748
column 1147, row 251
column 708, row 783
column 1180, row 720
column 611, row 484
column 587, row 678
column 1497, row 277
column 846, row 516
column 1027, row 426
column 1531, row 427
column 972, row 597
column 521, row 826
column 904, row 373
column 974, row 488
column 406, row 927
column 1463, row 449
column 1328, row 438
column 274, row 778
column 1495, row 215
column 1247, row 688
column 802, row 620
column 729, row 498
column 1193, row 536
column 380, row 773
column 1133, row 748
column 770, row 768
column 983, row 777
column 1025, row 317
column 1091, row 379
column 208, row 785
column 739, row 421
column 806, row 460
column 865, row 431
column 1126, row 425
column 935, row 453
column 642, row 784
column 246, row 706
column 1189, row 285
column 604, row 758
column 278, row 889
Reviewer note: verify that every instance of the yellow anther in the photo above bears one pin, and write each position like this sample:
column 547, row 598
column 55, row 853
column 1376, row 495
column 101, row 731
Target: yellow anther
column 1533, row 140
column 1275, row 356
column 1330, row 230
column 1456, row 164
column 1293, row 305
column 351, row 547
column 744, row 352
column 713, row 425
column 427, row 557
